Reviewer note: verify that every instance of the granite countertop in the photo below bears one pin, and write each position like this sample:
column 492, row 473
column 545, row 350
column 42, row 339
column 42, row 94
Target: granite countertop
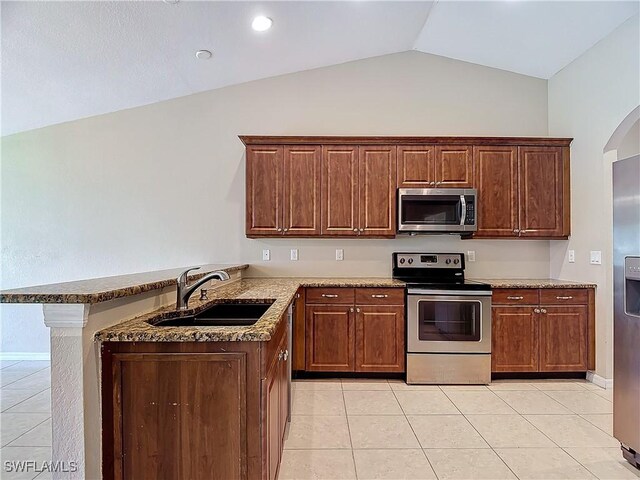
column 279, row 290
column 98, row 290
column 533, row 283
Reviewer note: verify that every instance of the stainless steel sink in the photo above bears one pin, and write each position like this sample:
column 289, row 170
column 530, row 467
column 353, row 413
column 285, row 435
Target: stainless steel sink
column 220, row 315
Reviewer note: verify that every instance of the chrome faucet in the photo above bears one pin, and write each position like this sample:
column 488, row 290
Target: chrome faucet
column 185, row 291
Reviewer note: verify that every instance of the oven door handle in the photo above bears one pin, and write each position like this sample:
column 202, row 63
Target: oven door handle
column 463, row 208
column 444, row 293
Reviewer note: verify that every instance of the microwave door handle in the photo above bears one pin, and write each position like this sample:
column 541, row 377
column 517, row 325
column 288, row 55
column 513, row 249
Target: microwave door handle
column 463, row 207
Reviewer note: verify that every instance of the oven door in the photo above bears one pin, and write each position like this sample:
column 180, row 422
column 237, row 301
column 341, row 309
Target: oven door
column 441, row 321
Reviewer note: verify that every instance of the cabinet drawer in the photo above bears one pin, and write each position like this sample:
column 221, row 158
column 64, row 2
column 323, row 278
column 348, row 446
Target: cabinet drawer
column 330, row 295
column 380, row 296
column 563, row 296
column 515, row 296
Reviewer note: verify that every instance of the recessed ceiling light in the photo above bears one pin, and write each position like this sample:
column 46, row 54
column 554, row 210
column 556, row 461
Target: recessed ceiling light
column 204, row 54
column 261, row 23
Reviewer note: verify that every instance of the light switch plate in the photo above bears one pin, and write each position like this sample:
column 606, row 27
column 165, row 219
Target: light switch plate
column 294, row 254
column 266, row 255
column 339, row 254
column 471, row 255
column 595, row 257
column 572, row 256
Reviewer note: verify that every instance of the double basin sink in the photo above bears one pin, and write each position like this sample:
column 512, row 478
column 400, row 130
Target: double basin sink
column 231, row 314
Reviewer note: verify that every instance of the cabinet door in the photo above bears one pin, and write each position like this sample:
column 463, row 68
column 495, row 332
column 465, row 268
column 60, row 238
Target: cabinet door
column 563, row 338
column 514, row 339
column 163, row 430
column 339, row 190
column 274, row 439
column 497, row 183
column 380, row 338
column 301, row 192
column 454, row 166
column 377, row 190
column 416, row 167
column 540, row 191
column 264, row 190
column 330, row 338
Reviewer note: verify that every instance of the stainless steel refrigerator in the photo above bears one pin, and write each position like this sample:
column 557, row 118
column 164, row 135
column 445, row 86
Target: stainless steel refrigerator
column 626, row 323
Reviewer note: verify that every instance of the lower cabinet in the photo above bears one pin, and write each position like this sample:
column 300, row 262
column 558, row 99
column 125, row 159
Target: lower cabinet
column 545, row 330
column 355, row 330
column 194, row 410
column 276, row 386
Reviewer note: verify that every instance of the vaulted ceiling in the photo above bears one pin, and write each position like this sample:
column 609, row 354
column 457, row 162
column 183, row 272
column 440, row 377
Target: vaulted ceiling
column 67, row 60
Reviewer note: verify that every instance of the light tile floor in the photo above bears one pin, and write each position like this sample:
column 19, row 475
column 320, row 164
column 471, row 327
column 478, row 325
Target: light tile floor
column 378, row 429
column 25, row 416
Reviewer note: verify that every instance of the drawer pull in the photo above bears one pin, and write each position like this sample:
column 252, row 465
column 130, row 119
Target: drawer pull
column 329, row 295
column 379, row 295
column 536, row 310
column 543, row 310
column 564, row 298
column 513, row 297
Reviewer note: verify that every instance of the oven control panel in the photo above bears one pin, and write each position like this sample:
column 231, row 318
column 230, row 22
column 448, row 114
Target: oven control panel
column 428, row 260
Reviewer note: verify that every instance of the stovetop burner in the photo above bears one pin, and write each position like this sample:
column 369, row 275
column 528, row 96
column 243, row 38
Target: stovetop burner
column 437, row 271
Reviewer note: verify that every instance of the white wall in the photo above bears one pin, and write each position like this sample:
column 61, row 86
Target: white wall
column 163, row 185
column 588, row 99
column 630, row 144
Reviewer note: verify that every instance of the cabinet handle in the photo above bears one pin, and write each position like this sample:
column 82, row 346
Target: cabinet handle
column 297, row 295
column 516, row 230
column 536, row 310
column 433, row 184
column 286, row 229
column 279, row 229
column 358, row 310
column 351, row 309
column 329, row 295
column 438, row 183
column 543, row 310
column 285, row 357
column 362, row 229
column 564, row 298
column 280, row 355
column 379, row 295
column 513, row 297
column 523, row 231
column 355, row 229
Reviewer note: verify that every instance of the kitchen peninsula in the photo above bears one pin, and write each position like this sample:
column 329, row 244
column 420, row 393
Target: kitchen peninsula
column 118, row 313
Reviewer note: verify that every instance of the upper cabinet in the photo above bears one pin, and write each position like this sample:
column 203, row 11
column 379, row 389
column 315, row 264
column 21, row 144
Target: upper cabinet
column 428, row 166
column 283, row 191
column 522, row 191
column 346, row 186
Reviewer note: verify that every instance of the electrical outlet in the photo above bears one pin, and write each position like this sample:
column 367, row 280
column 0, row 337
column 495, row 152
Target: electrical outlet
column 471, row 255
column 572, row 256
column 339, row 254
column 595, row 257
column 266, row 255
column 294, row 254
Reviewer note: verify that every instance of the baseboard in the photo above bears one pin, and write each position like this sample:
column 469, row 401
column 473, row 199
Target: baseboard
column 606, row 383
column 24, row 356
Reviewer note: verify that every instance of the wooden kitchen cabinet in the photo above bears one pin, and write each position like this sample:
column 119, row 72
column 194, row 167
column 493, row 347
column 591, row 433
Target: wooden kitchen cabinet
column 429, row 166
column 197, row 410
column 346, row 186
column 355, row 330
column 514, row 338
column 358, row 191
column 563, row 338
column 330, row 338
column 522, row 191
column 380, row 338
column 543, row 330
column 283, row 191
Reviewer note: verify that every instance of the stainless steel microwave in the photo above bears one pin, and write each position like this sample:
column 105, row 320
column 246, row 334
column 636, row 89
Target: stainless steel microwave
column 437, row 210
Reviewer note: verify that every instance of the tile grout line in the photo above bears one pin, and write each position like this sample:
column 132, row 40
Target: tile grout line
column 414, row 434
column 346, row 416
column 474, row 427
column 21, row 378
column 6, row 410
column 22, row 434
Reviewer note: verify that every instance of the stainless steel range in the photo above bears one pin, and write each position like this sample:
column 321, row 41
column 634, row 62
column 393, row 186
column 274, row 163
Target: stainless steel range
column 448, row 320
